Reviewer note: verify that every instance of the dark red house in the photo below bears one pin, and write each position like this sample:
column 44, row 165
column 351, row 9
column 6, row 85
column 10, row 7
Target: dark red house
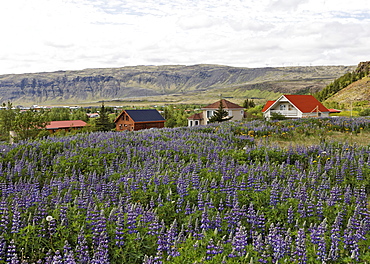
column 134, row 120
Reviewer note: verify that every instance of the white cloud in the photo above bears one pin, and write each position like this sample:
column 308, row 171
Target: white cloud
column 44, row 35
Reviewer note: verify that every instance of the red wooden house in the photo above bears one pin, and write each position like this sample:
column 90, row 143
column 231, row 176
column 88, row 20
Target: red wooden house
column 133, row 120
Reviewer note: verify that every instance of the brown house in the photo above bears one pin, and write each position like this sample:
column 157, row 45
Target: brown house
column 67, row 125
column 133, row 120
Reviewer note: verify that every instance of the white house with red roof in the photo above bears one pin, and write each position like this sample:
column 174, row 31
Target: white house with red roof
column 234, row 110
column 295, row 106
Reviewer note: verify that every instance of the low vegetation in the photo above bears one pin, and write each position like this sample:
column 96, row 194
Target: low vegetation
column 231, row 192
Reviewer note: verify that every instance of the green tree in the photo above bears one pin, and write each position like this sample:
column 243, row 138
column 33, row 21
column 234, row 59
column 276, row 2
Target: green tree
column 7, row 119
column 103, row 122
column 80, row 114
column 220, row 115
column 248, row 104
column 29, row 124
column 58, row 114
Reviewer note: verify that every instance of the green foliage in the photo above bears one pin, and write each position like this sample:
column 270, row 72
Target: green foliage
column 7, row 119
column 103, row 122
column 364, row 112
column 26, row 124
column 248, row 104
column 255, row 112
column 277, row 116
column 175, row 116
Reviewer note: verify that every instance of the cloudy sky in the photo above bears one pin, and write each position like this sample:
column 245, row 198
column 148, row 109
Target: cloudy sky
column 51, row 35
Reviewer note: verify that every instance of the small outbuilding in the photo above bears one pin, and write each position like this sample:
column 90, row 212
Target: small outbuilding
column 133, row 120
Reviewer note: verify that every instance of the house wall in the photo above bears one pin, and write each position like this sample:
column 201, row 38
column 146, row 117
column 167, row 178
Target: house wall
column 284, row 108
column 66, row 129
column 192, row 122
column 148, row 125
column 238, row 114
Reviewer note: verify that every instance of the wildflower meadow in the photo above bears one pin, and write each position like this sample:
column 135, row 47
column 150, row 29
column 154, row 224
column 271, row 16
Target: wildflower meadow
column 221, row 193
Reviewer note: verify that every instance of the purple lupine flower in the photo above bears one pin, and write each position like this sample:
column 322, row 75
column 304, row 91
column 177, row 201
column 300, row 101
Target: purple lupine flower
column 82, row 249
column 154, row 226
column 274, row 193
column 101, row 254
column 16, row 220
column 335, row 239
column 239, row 242
column 51, row 225
column 11, row 254
column 290, row 217
column 205, row 223
column 2, row 248
column 213, row 249
column 188, row 210
column 276, row 241
column 57, row 258
column 321, row 244
column 300, row 247
column 131, row 219
column 301, row 210
column 119, row 233
column 319, row 210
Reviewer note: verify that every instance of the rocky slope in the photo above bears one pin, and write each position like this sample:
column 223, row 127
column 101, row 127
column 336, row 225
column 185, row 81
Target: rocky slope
column 151, row 82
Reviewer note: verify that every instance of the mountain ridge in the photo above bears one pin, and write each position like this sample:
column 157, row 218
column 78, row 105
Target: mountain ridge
column 177, row 83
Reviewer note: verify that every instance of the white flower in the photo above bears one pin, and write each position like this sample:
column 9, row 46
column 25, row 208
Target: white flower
column 49, row 218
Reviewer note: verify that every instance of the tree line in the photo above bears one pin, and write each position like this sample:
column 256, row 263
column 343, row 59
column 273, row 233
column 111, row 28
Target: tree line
column 31, row 123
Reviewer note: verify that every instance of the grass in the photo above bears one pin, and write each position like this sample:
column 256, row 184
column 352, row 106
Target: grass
column 361, row 139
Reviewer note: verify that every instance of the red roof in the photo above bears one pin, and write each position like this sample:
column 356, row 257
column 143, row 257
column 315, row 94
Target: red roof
column 225, row 104
column 305, row 103
column 198, row 116
column 267, row 105
column 65, row 124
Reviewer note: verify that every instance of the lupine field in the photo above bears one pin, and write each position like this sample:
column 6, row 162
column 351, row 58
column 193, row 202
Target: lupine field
column 211, row 194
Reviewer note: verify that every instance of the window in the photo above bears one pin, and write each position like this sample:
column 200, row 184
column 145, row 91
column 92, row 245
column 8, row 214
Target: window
column 283, row 107
column 196, row 122
column 127, row 118
column 209, row 113
column 191, row 123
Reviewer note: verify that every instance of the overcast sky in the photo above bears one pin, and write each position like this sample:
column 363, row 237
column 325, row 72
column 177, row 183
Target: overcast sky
column 51, row 35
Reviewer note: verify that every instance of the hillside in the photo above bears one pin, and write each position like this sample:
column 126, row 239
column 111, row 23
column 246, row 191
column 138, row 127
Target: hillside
column 357, row 91
column 172, row 83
